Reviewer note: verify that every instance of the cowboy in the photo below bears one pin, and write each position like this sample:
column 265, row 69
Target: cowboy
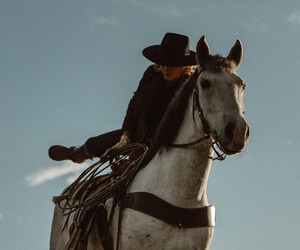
column 173, row 65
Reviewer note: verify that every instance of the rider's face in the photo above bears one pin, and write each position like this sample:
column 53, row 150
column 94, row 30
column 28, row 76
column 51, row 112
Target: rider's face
column 171, row 73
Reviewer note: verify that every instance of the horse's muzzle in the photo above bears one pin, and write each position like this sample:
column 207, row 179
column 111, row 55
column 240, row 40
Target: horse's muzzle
column 234, row 138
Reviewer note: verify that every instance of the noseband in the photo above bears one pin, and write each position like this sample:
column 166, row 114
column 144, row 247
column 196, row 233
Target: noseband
column 206, row 129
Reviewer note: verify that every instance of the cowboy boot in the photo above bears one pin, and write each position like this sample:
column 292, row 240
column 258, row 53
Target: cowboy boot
column 60, row 153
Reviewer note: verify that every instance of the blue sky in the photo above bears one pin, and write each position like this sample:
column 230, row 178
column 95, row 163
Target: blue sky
column 69, row 68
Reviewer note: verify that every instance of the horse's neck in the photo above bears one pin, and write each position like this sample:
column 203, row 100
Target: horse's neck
column 179, row 175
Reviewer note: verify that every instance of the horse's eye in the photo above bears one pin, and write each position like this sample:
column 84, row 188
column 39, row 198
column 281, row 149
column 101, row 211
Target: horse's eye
column 244, row 85
column 205, row 84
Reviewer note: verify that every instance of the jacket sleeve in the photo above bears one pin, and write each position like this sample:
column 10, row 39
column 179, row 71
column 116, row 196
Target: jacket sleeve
column 131, row 119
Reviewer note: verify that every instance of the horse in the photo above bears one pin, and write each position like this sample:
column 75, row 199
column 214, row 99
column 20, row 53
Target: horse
column 206, row 115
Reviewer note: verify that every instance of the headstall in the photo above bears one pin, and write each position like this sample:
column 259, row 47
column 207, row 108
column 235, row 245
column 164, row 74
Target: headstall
column 206, row 129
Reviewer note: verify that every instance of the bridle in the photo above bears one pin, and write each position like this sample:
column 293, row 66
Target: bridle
column 206, row 129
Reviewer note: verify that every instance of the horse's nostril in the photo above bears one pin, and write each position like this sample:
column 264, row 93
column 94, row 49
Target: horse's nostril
column 248, row 131
column 229, row 131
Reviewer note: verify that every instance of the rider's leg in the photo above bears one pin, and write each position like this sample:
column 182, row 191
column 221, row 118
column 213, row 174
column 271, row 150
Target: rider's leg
column 93, row 147
column 96, row 146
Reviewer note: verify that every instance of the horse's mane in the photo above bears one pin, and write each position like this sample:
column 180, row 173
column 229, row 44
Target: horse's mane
column 172, row 119
column 219, row 63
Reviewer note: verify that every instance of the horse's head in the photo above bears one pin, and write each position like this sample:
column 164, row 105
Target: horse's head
column 221, row 96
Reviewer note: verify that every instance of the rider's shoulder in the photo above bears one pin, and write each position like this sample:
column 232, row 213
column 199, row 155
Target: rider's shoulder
column 152, row 73
column 153, row 69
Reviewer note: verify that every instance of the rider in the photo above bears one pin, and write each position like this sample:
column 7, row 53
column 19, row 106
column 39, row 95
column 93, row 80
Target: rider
column 173, row 66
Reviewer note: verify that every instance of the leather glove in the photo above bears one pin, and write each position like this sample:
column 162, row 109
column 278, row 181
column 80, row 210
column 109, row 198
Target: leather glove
column 124, row 141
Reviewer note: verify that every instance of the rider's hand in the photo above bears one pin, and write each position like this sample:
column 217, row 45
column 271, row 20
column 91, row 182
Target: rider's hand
column 125, row 140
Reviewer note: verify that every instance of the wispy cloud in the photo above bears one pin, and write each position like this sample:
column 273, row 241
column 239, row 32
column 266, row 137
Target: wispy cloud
column 171, row 12
column 294, row 18
column 69, row 169
column 257, row 25
column 165, row 10
column 102, row 21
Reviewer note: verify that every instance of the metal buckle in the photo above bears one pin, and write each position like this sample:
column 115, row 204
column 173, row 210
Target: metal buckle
column 220, row 156
column 179, row 227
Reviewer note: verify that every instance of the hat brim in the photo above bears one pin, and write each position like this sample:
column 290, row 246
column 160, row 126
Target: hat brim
column 153, row 54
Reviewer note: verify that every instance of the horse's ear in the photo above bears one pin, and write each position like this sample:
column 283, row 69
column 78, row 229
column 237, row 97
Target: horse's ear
column 236, row 53
column 202, row 51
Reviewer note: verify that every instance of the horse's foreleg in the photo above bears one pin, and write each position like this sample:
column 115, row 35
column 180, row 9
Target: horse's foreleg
column 58, row 239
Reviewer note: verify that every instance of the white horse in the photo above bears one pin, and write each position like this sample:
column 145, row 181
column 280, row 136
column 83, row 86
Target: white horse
column 210, row 107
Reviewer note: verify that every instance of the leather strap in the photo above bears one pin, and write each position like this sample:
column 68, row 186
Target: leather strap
column 180, row 217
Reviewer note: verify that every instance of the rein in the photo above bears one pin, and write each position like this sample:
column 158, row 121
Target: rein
column 189, row 144
column 205, row 126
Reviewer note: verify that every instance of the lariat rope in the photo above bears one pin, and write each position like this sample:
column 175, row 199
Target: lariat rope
column 86, row 192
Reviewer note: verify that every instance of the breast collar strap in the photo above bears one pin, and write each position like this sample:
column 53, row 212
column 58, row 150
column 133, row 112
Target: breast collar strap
column 179, row 217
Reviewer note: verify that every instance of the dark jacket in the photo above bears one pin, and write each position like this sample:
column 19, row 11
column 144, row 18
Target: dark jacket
column 149, row 103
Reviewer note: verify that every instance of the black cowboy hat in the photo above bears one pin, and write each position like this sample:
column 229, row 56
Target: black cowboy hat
column 173, row 51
